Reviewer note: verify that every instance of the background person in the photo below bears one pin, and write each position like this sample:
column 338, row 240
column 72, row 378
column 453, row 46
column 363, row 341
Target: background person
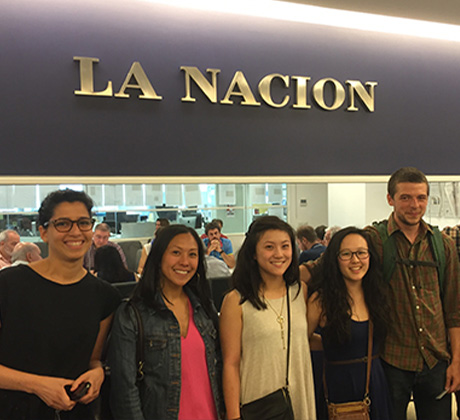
column 349, row 292
column 101, row 237
column 54, row 319
column 218, row 247
column 220, row 222
column 254, row 341
column 321, row 232
column 330, row 232
column 109, row 266
column 309, row 244
column 25, row 253
column 8, row 240
column 182, row 366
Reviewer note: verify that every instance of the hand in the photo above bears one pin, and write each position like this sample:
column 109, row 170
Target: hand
column 95, row 377
column 453, row 377
column 213, row 246
column 51, row 391
column 217, row 246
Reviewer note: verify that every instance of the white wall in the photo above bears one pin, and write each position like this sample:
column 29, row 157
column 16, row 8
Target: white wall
column 346, row 204
column 341, row 204
column 315, row 212
column 377, row 207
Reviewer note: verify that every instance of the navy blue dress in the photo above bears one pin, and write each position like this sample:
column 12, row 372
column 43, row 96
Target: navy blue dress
column 347, row 382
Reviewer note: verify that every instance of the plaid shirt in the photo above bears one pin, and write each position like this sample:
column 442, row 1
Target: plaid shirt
column 418, row 330
column 454, row 233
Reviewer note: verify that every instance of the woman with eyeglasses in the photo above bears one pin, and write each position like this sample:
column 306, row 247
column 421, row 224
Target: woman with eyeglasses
column 347, row 293
column 54, row 319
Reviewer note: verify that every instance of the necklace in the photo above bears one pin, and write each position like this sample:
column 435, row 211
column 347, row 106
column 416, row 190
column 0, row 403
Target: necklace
column 279, row 319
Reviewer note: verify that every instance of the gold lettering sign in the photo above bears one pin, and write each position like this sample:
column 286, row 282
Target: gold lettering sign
column 301, row 95
column 244, row 90
column 143, row 84
column 318, row 94
column 86, row 78
column 265, row 89
column 136, row 78
column 366, row 97
column 209, row 89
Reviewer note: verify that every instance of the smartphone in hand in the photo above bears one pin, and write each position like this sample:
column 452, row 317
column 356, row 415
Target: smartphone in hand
column 80, row 392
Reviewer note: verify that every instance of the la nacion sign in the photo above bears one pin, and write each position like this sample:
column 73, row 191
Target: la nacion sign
column 137, row 79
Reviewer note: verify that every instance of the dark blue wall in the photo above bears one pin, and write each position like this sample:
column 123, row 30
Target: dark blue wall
column 46, row 130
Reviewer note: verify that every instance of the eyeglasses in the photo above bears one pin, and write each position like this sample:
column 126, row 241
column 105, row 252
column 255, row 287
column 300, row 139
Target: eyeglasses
column 347, row 255
column 65, row 225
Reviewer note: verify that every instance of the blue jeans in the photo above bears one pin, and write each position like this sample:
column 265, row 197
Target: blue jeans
column 424, row 386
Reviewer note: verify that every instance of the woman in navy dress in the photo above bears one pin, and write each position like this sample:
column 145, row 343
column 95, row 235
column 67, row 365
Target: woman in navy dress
column 347, row 292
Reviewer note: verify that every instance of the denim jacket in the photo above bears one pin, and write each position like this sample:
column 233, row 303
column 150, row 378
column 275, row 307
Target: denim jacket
column 158, row 395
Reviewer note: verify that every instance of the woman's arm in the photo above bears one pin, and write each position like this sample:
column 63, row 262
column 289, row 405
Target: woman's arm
column 314, row 313
column 49, row 389
column 231, row 326
column 125, row 400
column 95, row 374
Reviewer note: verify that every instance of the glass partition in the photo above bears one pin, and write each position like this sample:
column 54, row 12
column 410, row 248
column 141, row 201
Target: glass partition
column 132, row 209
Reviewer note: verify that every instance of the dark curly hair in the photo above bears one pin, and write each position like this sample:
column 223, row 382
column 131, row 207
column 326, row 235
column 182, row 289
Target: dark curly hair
column 246, row 278
column 53, row 199
column 333, row 294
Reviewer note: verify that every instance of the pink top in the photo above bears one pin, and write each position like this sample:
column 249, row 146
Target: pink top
column 196, row 399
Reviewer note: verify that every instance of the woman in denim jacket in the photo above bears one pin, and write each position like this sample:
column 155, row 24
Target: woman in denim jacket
column 182, row 370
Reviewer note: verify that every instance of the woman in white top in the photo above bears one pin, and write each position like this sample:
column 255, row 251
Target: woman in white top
column 254, row 322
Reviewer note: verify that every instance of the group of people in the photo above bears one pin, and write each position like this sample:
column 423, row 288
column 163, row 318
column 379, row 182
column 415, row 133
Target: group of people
column 395, row 285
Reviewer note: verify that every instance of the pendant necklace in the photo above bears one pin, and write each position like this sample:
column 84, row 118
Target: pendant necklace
column 279, row 318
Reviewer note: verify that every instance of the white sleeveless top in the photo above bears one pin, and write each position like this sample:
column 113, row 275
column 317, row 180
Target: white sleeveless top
column 263, row 359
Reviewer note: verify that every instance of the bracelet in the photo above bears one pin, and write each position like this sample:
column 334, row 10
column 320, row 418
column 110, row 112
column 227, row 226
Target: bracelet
column 220, row 253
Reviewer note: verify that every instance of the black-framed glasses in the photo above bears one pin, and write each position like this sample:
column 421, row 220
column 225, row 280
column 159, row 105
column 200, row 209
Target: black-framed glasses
column 64, row 225
column 347, row 255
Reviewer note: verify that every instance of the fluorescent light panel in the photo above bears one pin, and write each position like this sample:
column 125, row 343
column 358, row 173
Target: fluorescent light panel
column 323, row 16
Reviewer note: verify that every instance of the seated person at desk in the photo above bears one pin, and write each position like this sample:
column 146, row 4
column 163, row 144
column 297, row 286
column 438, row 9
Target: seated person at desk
column 101, row 237
column 25, row 253
column 220, row 222
column 8, row 240
column 217, row 246
column 109, row 266
column 309, row 244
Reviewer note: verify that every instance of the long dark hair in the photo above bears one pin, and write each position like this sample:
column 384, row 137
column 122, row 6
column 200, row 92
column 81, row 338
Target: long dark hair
column 246, row 278
column 109, row 266
column 333, row 293
column 149, row 287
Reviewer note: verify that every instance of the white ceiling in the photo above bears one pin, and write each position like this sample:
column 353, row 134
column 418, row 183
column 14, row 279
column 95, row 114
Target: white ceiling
column 445, row 11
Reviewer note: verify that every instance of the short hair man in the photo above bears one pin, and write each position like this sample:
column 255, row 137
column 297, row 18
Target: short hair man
column 417, row 355
column 8, row 240
column 220, row 222
column 217, row 246
column 309, row 244
column 101, row 237
column 25, row 253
